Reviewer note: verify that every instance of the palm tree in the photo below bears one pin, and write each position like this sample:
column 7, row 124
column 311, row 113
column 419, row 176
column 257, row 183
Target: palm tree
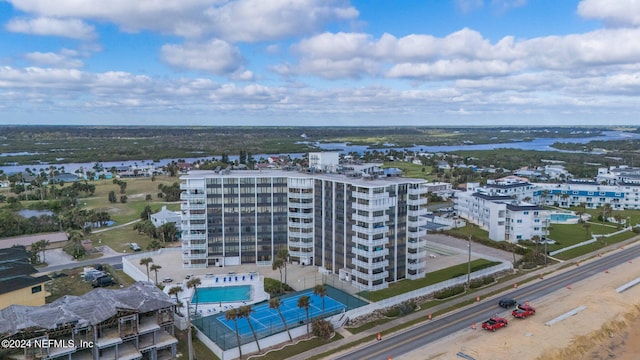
column 274, row 303
column 320, row 290
column 278, row 264
column 146, row 261
column 303, row 303
column 194, row 283
column 155, row 268
column 586, row 227
column 284, row 255
column 42, row 245
column 175, row 290
column 245, row 312
column 232, row 315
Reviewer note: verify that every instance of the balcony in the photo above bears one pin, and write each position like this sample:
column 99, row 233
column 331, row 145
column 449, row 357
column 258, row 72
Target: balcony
column 189, row 226
column 193, row 206
column 370, row 219
column 300, row 225
column 189, row 196
column 418, row 201
column 301, row 215
column 373, row 207
column 370, row 230
column 186, row 245
column 196, row 216
column 369, row 196
column 370, row 253
column 293, row 195
column 418, row 191
column 192, row 256
column 194, row 236
column 370, row 265
column 370, row 277
column 300, row 254
column 369, row 242
column 421, row 255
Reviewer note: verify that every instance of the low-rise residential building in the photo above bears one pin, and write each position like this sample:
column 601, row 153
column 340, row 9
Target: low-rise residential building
column 590, row 194
column 18, row 285
column 503, row 216
column 165, row 216
column 131, row 323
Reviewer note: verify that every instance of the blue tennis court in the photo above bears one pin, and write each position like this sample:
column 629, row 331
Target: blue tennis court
column 263, row 317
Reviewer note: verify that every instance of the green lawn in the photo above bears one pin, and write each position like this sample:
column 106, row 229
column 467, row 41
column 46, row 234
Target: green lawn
column 434, row 277
column 475, row 231
column 411, row 170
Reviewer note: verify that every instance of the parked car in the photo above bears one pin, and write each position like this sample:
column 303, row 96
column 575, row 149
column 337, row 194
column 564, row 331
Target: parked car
column 167, row 280
column 507, row 303
column 495, row 323
column 523, row 311
column 103, row 281
column 135, row 247
column 188, row 277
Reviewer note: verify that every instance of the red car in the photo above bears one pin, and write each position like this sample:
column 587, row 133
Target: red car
column 495, row 323
column 523, row 311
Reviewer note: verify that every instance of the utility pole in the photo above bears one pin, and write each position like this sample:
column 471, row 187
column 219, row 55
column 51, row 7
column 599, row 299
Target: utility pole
column 189, row 332
column 469, row 266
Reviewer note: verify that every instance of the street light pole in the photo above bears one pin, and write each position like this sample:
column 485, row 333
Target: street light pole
column 469, row 265
column 189, row 331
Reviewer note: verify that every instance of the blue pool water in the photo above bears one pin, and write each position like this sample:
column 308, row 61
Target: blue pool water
column 222, row 294
column 561, row 217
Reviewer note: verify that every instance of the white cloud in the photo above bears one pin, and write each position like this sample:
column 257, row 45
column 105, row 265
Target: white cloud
column 613, row 13
column 71, row 28
column 240, row 20
column 63, row 59
column 215, row 56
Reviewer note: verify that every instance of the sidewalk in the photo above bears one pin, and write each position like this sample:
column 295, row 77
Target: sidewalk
column 371, row 333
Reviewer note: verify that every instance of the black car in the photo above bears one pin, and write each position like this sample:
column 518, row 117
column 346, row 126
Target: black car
column 103, row 281
column 507, row 303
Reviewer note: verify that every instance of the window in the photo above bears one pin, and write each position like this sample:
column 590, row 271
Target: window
column 36, row 289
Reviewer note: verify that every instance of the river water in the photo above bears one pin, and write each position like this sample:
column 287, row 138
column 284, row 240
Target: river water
column 538, row 144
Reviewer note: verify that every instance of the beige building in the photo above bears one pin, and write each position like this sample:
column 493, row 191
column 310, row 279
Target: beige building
column 18, row 285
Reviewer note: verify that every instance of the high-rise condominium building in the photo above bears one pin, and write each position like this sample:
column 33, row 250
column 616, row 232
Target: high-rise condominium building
column 355, row 222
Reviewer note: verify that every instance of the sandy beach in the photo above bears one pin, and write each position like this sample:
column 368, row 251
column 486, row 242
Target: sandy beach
column 609, row 327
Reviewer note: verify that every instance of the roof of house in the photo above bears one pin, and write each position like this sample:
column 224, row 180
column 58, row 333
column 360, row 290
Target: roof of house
column 89, row 309
column 15, row 270
column 165, row 214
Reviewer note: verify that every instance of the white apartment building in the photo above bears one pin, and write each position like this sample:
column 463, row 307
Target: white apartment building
column 591, row 194
column 365, row 227
column 618, row 175
column 504, row 217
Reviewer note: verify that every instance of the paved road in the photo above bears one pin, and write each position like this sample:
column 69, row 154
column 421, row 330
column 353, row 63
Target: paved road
column 115, row 261
column 396, row 345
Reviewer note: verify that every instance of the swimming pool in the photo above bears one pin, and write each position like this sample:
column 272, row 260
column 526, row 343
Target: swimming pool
column 563, row 218
column 222, row 294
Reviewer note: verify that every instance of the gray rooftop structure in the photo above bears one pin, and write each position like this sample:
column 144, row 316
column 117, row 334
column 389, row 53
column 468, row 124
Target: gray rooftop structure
column 86, row 310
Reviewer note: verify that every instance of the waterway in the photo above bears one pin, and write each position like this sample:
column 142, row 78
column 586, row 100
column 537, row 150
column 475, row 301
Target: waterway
column 538, row 144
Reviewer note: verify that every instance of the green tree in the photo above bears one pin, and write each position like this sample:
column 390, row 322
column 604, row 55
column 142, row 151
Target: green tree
column 303, row 303
column 322, row 329
column 284, row 255
column 146, row 261
column 112, row 197
column 587, row 231
column 174, row 291
column 155, row 268
column 42, row 246
column 278, row 264
column 320, row 290
column 274, row 303
column 233, row 316
column 194, row 283
column 145, row 214
column 245, row 312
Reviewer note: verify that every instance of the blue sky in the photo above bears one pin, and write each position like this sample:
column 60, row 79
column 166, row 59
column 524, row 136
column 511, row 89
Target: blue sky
column 320, row 62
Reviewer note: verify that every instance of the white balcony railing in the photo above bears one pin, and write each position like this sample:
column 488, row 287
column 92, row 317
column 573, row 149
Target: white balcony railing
column 370, row 253
column 370, row 264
